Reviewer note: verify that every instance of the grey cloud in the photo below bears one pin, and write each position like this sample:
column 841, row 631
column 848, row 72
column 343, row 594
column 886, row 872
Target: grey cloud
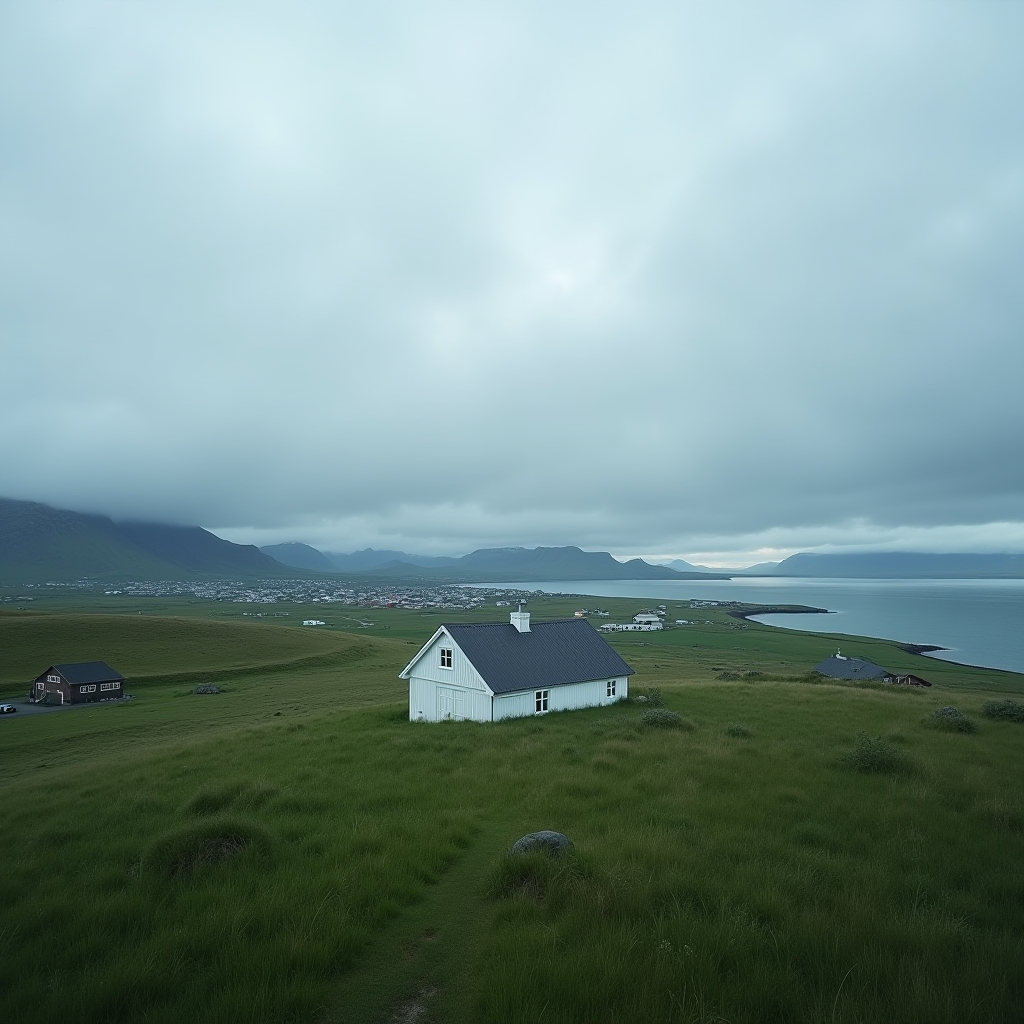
column 632, row 276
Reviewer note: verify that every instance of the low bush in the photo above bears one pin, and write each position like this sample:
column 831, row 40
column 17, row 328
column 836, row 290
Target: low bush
column 183, row 851
column 651, row 698
column 873, row 755
column 952, row 719
column 662, row 718
column 736, row 730
column 1008, row 710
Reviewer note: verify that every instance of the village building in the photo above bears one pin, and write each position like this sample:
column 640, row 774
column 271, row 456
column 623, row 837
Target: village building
column 484, row 672
column 839, row 666
column 647, row 618
column 631, row 627
column 80, row 683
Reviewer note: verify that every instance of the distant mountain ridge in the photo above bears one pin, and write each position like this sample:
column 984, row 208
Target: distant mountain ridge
column 902, row 565
column 519, row 565
column 38, row 542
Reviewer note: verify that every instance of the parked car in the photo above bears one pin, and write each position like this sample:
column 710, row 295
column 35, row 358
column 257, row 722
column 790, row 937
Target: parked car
column 7, row 709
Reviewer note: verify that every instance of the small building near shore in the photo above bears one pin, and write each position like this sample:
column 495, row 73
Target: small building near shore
column 78, row 683
column 484, row 672
column 838, row 666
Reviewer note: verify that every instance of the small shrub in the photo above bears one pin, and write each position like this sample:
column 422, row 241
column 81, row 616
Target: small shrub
column 662, row 718
column 952, row 719
column 728, row 675
column 1008, row 710
column 737, row 730
column 207, row 688
column 873, row 755
column 186, row 850
column 651, row 699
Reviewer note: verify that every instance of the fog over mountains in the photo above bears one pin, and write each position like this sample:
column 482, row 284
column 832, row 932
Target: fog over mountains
column 38, row 542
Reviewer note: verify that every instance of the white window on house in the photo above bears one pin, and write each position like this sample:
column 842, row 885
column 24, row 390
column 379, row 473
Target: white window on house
column 40, row 685
column 446, row 657
column 53, row 679
column 88, row 689
column 540, row 701
column 611, row 687
column 108, row 686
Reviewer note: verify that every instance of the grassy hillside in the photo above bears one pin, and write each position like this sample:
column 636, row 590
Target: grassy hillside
column 294, row 849
column 38, row 542
column 142, row 647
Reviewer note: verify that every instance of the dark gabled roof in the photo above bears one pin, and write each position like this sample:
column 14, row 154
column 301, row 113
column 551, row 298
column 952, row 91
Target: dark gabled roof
column 550, row 654
column 89, row 672
column 850, row 668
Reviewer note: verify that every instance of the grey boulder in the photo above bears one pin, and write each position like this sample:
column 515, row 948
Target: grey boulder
column 551, row 843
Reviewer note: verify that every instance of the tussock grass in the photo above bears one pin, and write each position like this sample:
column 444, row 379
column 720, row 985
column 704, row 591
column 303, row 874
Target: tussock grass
column 709, row 879
column 199, row 845
column 241, row 796
column 737, row 731
column 1006, row 710
column 662, row 718
column 874, row 755
column 950, row 719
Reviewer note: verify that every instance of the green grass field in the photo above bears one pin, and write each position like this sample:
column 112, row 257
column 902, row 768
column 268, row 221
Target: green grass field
column 293, row 849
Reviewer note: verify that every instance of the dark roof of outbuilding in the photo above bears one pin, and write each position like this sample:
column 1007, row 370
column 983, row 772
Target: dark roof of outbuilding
column 88, row 672
column 850, row 668
column 550, row 654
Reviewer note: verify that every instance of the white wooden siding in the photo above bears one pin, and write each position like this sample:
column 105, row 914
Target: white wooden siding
column 460, row 674
column 513, row 705
column 430, row 701
column 561, row 698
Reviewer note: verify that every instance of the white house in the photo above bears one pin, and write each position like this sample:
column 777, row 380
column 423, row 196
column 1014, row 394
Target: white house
column 484, row 672
column 647, row 618
column 630, row 627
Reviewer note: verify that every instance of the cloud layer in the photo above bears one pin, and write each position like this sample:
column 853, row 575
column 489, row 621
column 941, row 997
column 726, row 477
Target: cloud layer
column 650, row 277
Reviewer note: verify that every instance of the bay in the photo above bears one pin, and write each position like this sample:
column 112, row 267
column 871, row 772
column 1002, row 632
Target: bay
column 979, row 622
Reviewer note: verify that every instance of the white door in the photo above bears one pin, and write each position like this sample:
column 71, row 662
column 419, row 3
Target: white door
column 450, row 704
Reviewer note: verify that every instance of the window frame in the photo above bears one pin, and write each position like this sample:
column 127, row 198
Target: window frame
column 611, row 688
column 540, row 701
column 87, row 688
column 447, row 657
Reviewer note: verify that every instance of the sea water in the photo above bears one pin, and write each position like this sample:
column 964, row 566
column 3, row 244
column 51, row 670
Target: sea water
column 978, row 622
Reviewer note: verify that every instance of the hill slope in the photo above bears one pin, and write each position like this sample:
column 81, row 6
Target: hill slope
column 299, row 556
column 38, row 542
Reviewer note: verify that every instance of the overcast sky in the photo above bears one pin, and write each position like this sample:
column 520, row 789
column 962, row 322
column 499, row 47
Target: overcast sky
column 722, row 281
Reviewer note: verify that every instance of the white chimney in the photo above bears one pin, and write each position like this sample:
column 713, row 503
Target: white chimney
column 521, row 620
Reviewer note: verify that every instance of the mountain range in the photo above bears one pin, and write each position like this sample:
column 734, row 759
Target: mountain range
column 508, row 565
column 38, row 542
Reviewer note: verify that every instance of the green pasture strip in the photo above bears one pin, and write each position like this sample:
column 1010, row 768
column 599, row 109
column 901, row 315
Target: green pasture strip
column 712, row 877
column 149, row 646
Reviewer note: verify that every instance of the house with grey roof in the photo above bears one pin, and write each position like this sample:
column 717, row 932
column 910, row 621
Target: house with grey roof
column 839, row 666
column 483, row 672
column 77, row 683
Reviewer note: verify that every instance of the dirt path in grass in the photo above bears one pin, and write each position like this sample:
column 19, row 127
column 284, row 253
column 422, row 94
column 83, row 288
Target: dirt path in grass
column 418, row 971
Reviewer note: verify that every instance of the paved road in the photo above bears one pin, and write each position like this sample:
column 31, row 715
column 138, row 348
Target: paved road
column 26, row 707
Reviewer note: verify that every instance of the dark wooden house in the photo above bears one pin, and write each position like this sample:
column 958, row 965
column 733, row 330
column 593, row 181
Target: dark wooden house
column 78, row 684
